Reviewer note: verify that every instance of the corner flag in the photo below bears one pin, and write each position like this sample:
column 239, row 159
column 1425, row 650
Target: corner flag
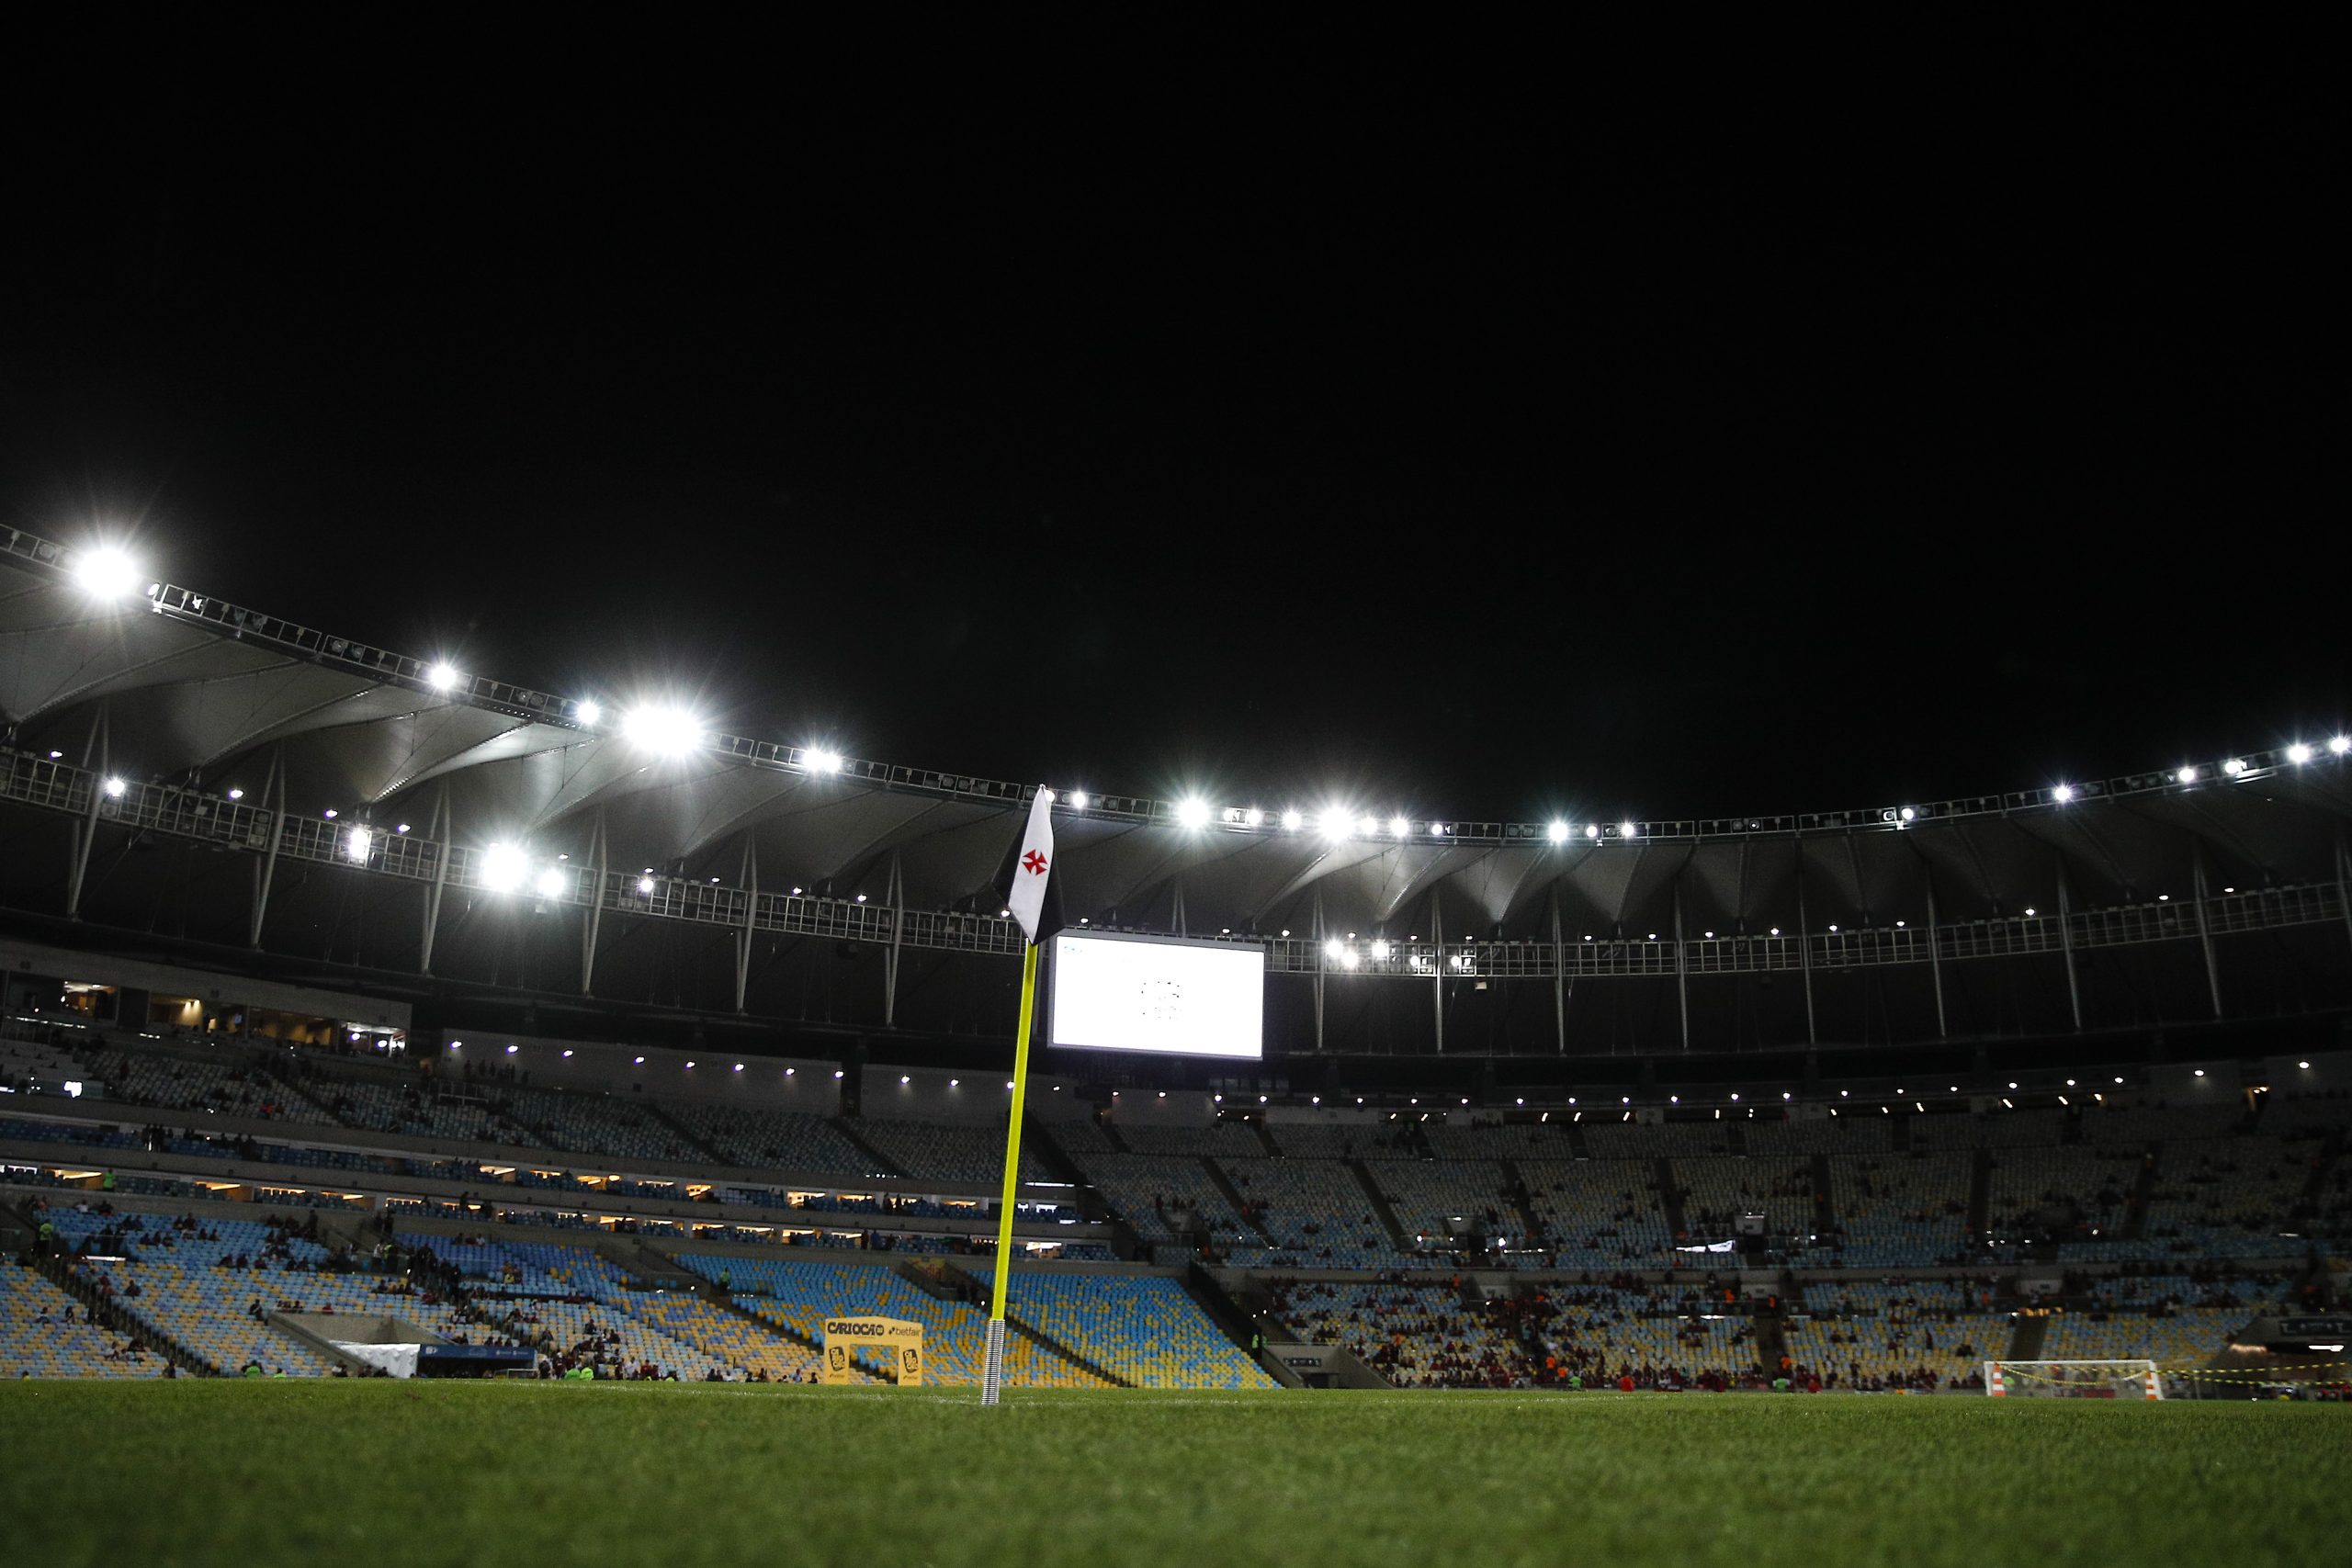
column 1030, row 872
column 1027, row 902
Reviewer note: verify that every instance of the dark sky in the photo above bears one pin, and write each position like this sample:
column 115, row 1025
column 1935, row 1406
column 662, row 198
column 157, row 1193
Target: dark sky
column 1477, row 425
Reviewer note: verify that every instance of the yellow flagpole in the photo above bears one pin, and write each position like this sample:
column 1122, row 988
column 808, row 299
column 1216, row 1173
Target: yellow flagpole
column 992, row 1373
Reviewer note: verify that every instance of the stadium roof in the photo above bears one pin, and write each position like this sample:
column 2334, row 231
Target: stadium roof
column 171, row 688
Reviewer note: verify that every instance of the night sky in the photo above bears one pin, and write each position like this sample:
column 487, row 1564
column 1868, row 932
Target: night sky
column 1481, row 427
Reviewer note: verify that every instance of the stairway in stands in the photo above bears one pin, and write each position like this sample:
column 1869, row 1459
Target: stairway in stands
column 1232, row 1195
column 1386, row 1216
column 1669, row 1196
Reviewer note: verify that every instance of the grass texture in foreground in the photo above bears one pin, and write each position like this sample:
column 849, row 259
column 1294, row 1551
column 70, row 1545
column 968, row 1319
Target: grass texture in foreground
column 278, row 1472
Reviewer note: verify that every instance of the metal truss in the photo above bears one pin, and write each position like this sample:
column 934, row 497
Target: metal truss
column 51, row 784
column 242, row 624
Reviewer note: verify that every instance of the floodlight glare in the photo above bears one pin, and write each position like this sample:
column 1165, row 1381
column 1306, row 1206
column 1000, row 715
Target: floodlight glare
column 2234, row 766
column 441, row 677
column 645, row 886
column 1292, row 821
column 105, row 572
column 1557, row 832
column 2186, row 776
column 234, row 795
column 1333, row 949
column 1367, row 826
column 1336, row 824
column 1625, row 830
column 1349, row 960
column 1192, row 813
column 1380, row 950
column 661, row 730
column 1076, row 799
column 502, row 868
column 115, row 788
column 825, row 761
column 1254, row 817
column 1399, row 828
column 587, row 713
column 2299, row 753
column 552, row 884
column 357, row 844
column 2062, row 793
column 2340, row 744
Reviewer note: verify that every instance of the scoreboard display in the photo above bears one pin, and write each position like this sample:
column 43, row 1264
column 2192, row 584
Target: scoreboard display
column 1107, row 991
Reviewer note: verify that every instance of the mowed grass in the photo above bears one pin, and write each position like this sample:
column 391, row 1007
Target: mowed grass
column 341, row 1473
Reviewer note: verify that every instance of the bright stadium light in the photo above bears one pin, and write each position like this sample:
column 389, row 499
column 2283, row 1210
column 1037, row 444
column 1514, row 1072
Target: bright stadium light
column 1334, row 949
column 1075, row 800
column 664, row 729
column 2340, row 744
column 1192, row 813
column 357, row 844
column 587, row 711
column 2186, row 775
column 441, row 677
column 552, row 884
column 2062, row 793
column 105, row 573
column 1367, row 824
column 645, row 886
column 234, row 795
column 1380, row 950
column 1336, row 824
column 502, row 868
column 1349, row 960
column 1910, row 815
column 1557, row 832
column 115, row 788
column 1399, row 828
column 1626, row 830
column 1292, row 821
column 2299, row 753
column 2234, row 766
column 825, row 761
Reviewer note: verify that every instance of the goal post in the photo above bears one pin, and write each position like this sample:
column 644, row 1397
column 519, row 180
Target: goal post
column 2073, row 1380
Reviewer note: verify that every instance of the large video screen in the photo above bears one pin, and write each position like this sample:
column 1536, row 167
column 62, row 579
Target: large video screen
column 1133, row 993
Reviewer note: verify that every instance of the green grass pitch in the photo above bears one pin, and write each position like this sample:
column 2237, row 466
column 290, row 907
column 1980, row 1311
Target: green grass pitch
column 505, row 1475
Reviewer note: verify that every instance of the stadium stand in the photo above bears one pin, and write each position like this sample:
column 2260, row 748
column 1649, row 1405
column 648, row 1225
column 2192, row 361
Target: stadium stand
column 959, row 1152
column 44, row 1333
column 783, row 1140
column 1900, row 1211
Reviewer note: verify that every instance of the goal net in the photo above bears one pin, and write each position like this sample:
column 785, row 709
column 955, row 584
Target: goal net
column 2073, row 1380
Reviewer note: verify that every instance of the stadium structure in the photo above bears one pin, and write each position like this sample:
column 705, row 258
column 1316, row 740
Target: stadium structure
column 364, row 1010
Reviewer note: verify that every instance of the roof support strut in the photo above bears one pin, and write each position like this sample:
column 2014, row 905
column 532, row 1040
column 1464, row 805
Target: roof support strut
column 599, row 853
column 750, row 882
column 2066, row 943
column 443, row 834
column 85, row 831
column 2204, row 925
column 273, row 791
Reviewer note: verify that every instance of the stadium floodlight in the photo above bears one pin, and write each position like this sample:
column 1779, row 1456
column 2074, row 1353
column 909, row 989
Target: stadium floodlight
column 1399, row 828
column 2340, row 744
column 2234, row 766
column 2305, row 1065
column 1557, row 832
column 1075, row 800
column 1776, row 930
column 645, row 886
column 2029, row 911
column 1292, row 821
column 441, row 677
column 666, row 730
column 1626, row 830
column 234, row 795
column 1192, row 813
column 1333, row 949
column 552, row 884
column 2299, row 753
column 1348, row 960
column 1592, row 830
column 115, row 788
column 357, row 844
column 502, row 868
column 2061, row 794
column 1337, row 823
column 1437, row 829
column 1367, row 824
column 402, row 827
column 105, row 572
column 330, row 814
column 2187, row 774
column 1380, row 950
column 1909, row 814
column 1254, row 817
column 587, row 711
column 825, row 761
column 640, row 1061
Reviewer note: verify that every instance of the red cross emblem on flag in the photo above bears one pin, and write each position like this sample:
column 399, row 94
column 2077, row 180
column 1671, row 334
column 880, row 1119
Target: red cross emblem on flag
column 1033, row 864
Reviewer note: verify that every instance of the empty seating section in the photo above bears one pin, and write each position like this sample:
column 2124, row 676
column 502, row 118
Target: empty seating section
column 1143, row 1330
column 1433, row 1200
column 1221, row 1138
column 1518, row 1140
column 177, row 1083
column 1315, row 1212
column 1604, row 1335
column 1999, row 1129
column 594, row 1123
column 2186, row 1338
column 1599, row 1215
column 1870, row 1335
column 1636, row 1140
column 1900, row 1211
column 1824, row 1135
column 422, row 1111
column 2150, row 1124
column 1320, row 1140
column 2076, row 1193
column 781, row 1140
column 728, row 1337
column 44, row 1333
column 1164, row 1197
column 970, row 1153
column 2232, row 1198
column 1415, row 1336
column 1716, row 1191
